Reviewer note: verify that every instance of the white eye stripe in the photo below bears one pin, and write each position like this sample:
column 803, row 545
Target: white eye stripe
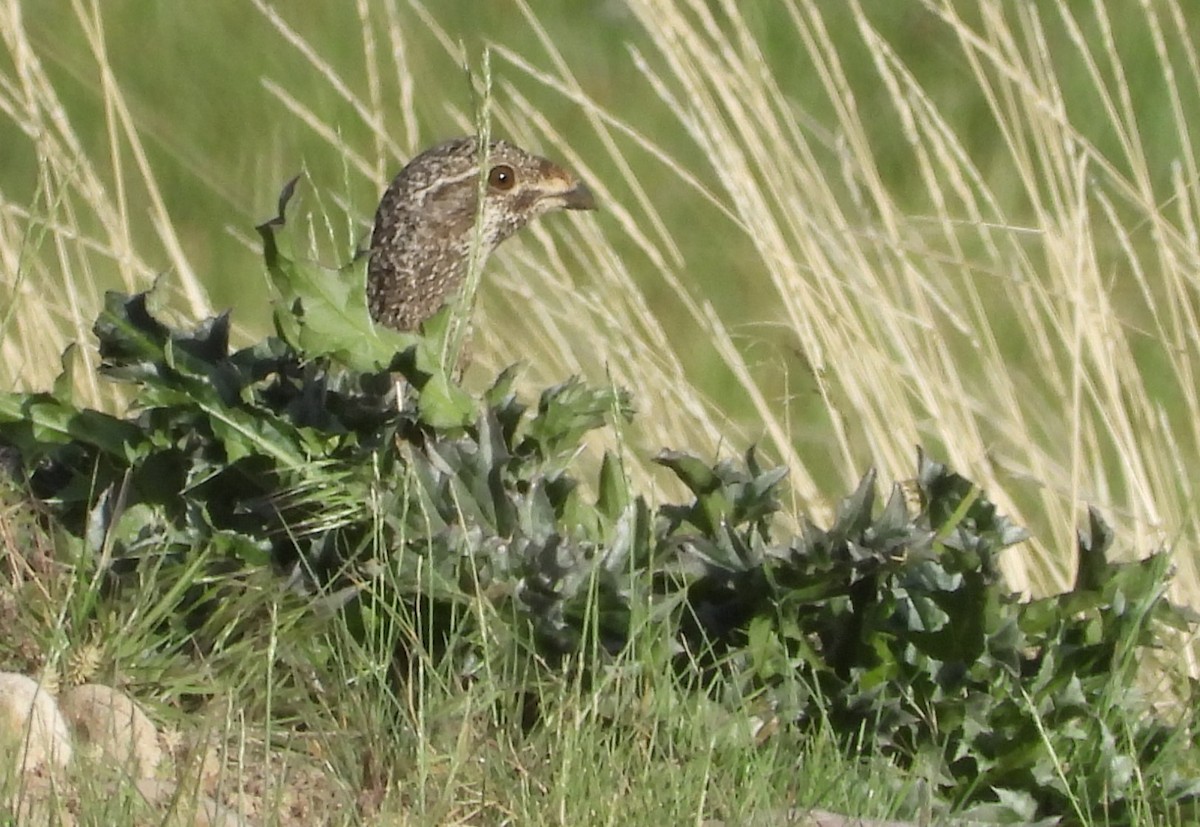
column 439, row 183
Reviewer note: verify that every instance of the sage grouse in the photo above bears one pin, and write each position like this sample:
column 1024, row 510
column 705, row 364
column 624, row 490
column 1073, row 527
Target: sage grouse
column 425, row 224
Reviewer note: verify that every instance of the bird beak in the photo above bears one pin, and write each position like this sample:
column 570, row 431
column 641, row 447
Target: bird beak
column 579, row 197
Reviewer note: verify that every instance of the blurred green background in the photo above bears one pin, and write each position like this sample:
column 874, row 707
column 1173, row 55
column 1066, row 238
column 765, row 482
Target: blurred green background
column 221, row 145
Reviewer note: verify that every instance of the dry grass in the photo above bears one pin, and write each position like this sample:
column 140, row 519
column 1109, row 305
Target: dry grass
column 75, row 235
column 1046, row 351
column 1018, row 347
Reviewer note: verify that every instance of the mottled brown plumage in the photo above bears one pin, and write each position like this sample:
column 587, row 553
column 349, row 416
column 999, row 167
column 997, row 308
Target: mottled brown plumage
column 424, row 227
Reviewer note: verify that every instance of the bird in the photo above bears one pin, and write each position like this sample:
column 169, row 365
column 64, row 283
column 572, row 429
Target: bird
column 425, row 225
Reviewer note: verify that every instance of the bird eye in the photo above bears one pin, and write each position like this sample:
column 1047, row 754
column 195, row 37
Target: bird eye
column 502, row 177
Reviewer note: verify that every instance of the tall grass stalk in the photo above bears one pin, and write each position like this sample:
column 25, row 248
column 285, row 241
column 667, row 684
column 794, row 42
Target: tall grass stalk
column 1031, row 320
column 1049, row 349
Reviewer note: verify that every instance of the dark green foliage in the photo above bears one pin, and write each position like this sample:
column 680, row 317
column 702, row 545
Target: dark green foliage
column 893, row 624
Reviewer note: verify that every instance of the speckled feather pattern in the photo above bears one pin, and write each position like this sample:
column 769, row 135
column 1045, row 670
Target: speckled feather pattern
column 424, row 227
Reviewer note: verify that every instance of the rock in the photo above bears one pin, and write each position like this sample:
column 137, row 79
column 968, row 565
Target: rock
column 155, row 790
column 114, row 725
column 209, row 813
column 822, row 818
column 201, row 757
column 190, row 808
column 32, row 729
column 796, row 817
column 39, row 800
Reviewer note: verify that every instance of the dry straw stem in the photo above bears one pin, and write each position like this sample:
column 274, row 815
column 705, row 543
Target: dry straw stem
column 998, row 339
column 55, row 249
column 1010, row 340
column 1001, row 343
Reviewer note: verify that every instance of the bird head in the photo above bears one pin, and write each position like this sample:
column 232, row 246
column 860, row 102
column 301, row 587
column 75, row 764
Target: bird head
column 425, row 226
column 445, row 184
column 521, row 186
